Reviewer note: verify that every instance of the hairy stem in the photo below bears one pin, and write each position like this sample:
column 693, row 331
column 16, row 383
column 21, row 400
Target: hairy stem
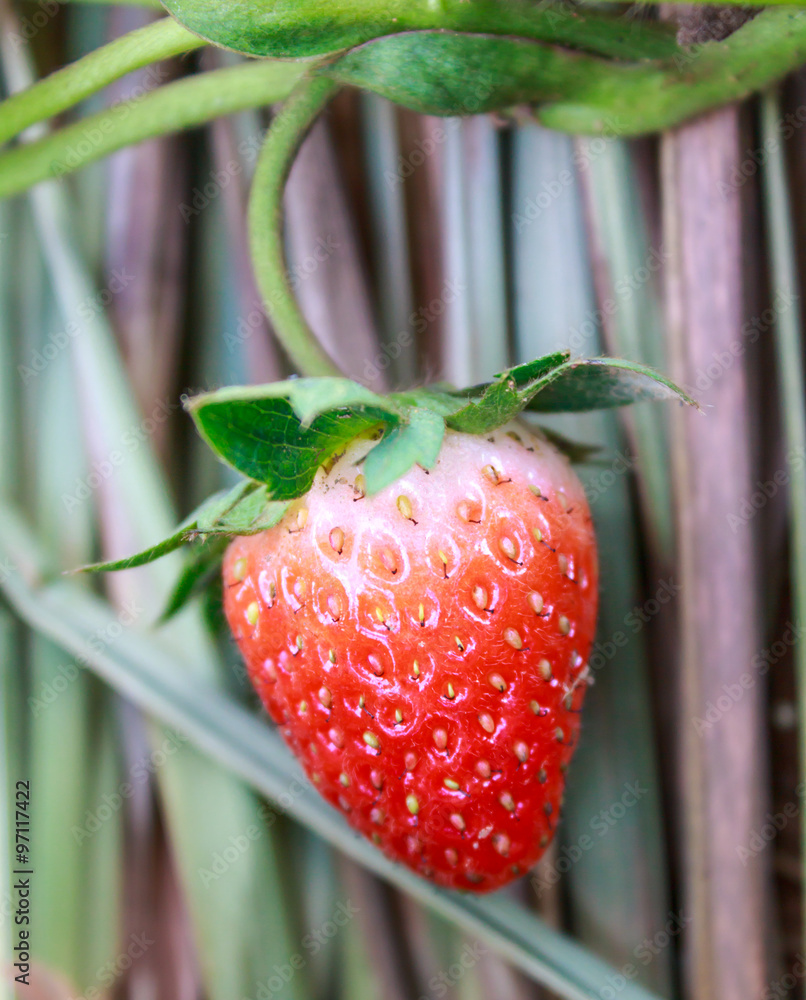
column 266, row 225
column 68, row 86
column 176, row 106
column 639, row 99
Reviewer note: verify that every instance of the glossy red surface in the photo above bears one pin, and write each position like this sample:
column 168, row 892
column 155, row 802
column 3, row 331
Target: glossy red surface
column 424, row 651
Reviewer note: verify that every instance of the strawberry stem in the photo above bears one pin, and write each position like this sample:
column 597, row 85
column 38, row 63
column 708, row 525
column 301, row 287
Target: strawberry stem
column 188, row 102
column 85, row 77
column 266, row 224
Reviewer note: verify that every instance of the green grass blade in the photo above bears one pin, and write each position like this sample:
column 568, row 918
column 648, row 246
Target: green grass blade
column 485, row 247
column 627, row 272
column 204, row 806
column 789, row 346
column 144, row 671
column 616, row 888
column 390, row 243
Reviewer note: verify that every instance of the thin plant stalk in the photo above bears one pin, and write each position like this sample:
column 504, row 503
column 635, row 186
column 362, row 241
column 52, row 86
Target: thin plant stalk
column 789, row 349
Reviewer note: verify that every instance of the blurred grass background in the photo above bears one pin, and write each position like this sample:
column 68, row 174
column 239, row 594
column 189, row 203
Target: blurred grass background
column 424, row 249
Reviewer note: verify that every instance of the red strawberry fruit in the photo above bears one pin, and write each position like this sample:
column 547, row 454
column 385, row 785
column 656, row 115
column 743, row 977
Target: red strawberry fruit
column 424, row 650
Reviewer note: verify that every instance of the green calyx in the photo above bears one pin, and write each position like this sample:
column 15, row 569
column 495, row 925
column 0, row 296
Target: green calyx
column 278, row 436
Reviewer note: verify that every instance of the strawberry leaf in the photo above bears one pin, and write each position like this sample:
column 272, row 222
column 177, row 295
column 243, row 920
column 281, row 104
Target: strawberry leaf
column 278, row 436
column 170, row 544
column 201, row 569
column 259, row 433
column 531, row 370
column 496, row 403
column 418, row 440
column 311, row 397
column 243, row 510
column 601, row 383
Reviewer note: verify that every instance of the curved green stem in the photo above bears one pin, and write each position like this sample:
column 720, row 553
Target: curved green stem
column 68, row 86
column 180, row 105
column 266, row 224
column 640, row 99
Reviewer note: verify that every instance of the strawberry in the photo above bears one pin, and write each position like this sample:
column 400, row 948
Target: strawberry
column 423, row 650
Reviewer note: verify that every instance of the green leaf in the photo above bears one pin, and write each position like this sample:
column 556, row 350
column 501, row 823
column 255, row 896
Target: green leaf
column 454, row 71
column 170, row 544
column 448, row 73
column 439, row 398
column 202, row 519
column 416, row 441
column 283, row 28
column 261, row 435
column 311, row 397
column 202, row 566
column 601, row 383
column 253, row 513
column 217, row 506
column 244, row 510
column 531, row 370
column 499, row 403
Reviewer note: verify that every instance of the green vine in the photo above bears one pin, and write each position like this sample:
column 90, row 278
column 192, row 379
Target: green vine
column 66, row 87
column 188, row 102
column 266, row 224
